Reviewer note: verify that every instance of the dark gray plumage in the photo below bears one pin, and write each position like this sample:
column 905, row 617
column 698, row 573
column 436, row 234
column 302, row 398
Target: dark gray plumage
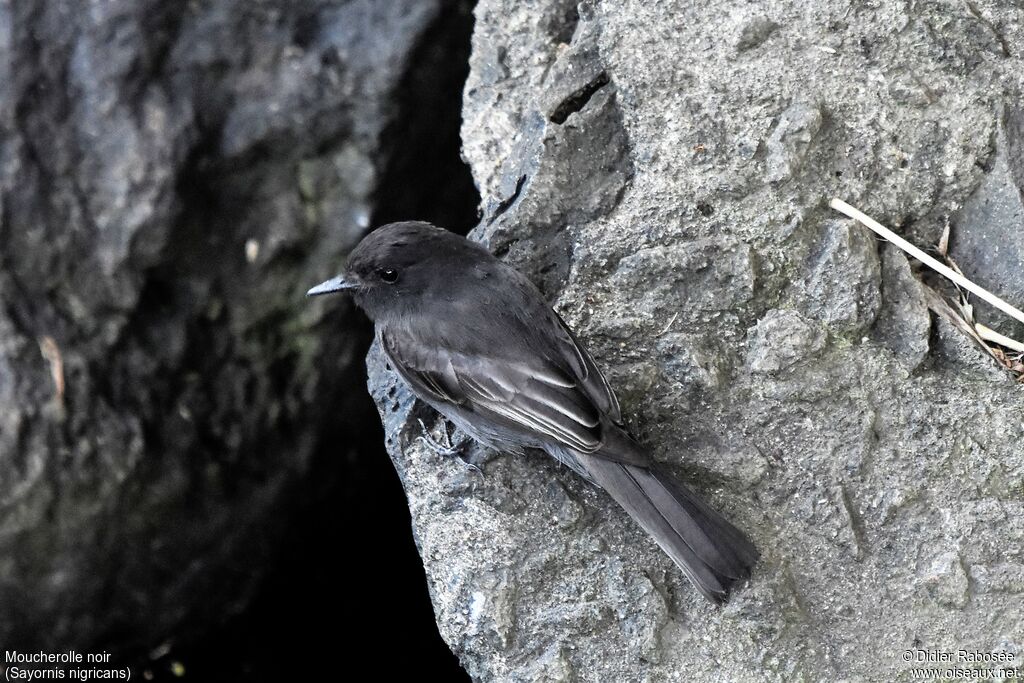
column 474, row 339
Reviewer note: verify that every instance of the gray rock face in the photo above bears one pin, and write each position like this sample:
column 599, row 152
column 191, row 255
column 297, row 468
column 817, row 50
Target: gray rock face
column 782, row 339
column 789, row 143
column 173, row 176
column 761, row 345
column 987, row 238
column 841, row 287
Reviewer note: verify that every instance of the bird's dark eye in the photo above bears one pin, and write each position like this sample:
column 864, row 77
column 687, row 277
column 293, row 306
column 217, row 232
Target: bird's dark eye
column 388, row 275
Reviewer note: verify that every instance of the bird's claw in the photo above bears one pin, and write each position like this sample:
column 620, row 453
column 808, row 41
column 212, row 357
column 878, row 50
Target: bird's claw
column 443, row 448
column 446, row 448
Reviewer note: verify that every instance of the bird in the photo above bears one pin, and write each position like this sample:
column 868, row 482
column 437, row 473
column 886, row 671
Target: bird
column 474, row 339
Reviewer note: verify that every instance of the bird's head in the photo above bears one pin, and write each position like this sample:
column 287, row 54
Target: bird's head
column 397, row 266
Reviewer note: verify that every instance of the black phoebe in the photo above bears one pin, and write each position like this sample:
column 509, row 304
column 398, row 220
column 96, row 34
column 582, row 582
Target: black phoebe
column 474, row 339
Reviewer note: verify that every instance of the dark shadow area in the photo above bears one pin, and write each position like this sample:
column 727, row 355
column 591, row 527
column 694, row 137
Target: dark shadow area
column 330, row 610
column 362, row 601
column 427, row 178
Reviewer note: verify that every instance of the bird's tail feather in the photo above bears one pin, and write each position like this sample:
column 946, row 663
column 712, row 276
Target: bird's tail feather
column 712, row 552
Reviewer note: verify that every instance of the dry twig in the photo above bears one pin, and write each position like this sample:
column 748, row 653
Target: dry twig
column 962, row 315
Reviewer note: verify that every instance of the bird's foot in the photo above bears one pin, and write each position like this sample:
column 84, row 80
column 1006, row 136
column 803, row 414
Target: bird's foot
column 445, row 448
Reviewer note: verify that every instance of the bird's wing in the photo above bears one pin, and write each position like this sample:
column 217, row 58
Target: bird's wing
column 585, row 371
column 551, row 390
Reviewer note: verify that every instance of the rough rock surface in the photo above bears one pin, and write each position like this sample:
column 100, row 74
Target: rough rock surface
column 173, row 176
column 675, row 212
column 983, row 239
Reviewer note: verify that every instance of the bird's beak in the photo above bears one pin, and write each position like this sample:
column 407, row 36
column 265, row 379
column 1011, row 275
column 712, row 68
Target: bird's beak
column 335, row 284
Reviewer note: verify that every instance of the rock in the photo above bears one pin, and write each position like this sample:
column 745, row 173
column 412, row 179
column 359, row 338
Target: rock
column 781, row 339
column 754, row 31
column 842, row 285
column 570, row 164
column 640, row 610
column 951, row 345
column 576, row 75
column 694, row 362
column 945, row 581
column 173, row 176
column 492, row 609
column 986, row 242
column 849, row 471
column 1002, row 578
column 791, row 140
column 903, row 323
column 553, row 667
column 696, row 280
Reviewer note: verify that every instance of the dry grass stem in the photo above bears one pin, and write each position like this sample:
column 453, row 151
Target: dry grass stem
column 979, row 291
